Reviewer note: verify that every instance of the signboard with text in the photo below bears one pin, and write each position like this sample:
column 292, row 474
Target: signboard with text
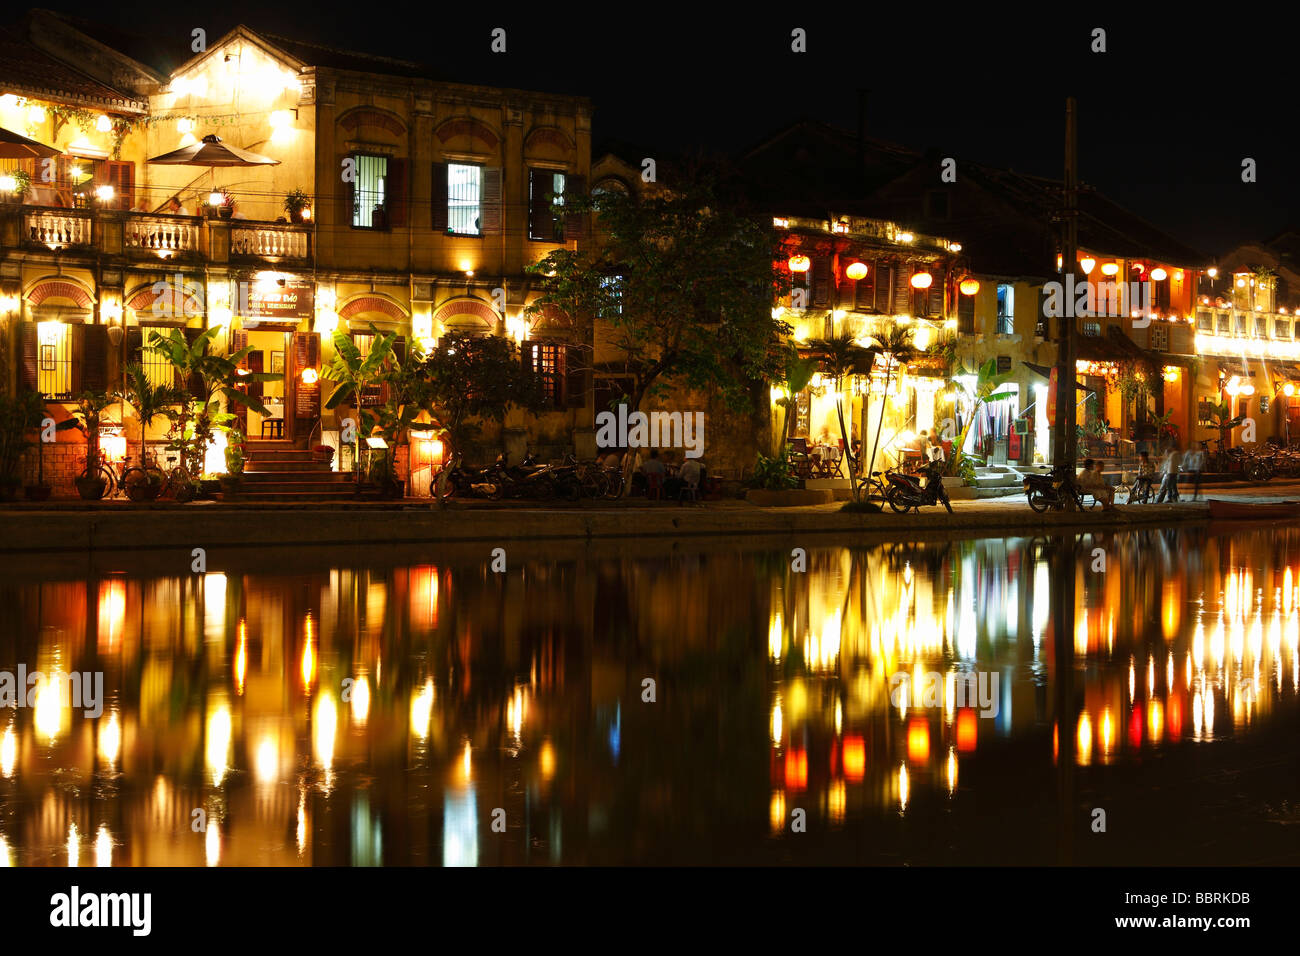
column 289, row 299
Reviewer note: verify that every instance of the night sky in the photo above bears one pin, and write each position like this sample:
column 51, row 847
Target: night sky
column 1166, row 115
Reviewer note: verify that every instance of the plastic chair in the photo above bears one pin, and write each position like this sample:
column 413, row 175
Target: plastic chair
column 654, row 484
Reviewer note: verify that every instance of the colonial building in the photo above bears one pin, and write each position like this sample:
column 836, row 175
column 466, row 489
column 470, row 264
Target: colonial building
column 397, row 202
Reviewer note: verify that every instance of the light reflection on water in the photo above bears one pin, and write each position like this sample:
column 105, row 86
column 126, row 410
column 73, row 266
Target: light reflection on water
column 354, row 709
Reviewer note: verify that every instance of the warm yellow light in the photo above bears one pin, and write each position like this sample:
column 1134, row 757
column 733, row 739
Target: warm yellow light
column 922, row 280
column 306, row 212
column 1288, row 389
column 105, row 193
column 856, row 270
column 800, row 263
column 103, row 124
column 1109, row 268
column 215, row 199
column 36, row 114
column 1241, row 283
column 1178, row 275
column 1159, row 274
column 969, row 286
column 8, row 184
column 310, row 376
column 1212, row 272
column 184, row 125
column 906, row 237
column 279, row 119
column 1087, row 264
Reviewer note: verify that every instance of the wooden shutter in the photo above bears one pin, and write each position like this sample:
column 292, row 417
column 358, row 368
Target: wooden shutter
column 966, row 315
column 77, row 353
column 540, row 218
column 256, row 363
column 29, row 355
column 135, row 346
column 575, row 223
column 864, row 295
column 397, row 184
column 306, row 354
column 903, row 299
column 885, row 288
column 194, row 384
column 121, row 176
column 934, row 304
column 575, row 377
column 94, row 359
column 821, row 281
column 439, row 209
column 490, row 201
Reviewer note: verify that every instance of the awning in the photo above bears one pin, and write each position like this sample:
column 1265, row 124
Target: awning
column 1046, row 373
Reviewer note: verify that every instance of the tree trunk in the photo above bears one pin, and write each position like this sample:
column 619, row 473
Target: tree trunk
column 884, row 402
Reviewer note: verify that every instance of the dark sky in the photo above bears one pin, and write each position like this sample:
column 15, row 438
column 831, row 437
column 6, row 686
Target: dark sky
column 1167, row 114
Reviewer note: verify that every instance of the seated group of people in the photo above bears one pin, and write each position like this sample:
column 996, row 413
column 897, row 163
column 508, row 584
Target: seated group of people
column 653, row 471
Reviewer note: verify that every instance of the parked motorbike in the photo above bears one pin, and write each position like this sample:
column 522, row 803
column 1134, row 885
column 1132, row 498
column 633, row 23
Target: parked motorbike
column 463, row 482
column 908, row 493
column 1053, row 491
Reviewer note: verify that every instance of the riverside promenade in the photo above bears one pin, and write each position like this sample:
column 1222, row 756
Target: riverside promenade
column 80, row 527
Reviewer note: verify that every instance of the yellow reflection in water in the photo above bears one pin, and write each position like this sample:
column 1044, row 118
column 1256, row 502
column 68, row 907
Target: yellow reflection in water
column 103, row 847
column 110, row 740
column 952, row 770
column 774, row 636
column 6, row 857
column 325, row 723
column 241, row 657
column 904, row 789
column 421, row 709
column 360, row 700
column 776, row 811
column 49, row 711
column 74, row 845
column 308, row 655
column 778, row 727
column 217, row 751
column 8, row 751
column 1084, row 740
column 212, row 843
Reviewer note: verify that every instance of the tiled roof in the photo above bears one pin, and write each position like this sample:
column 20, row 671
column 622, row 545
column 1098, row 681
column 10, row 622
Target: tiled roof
column 314, row 54
column 28, row 71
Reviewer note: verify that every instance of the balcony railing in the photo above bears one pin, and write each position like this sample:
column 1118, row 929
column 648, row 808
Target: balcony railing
column 269, row 241
column 58, row 229
column 161, row 235
column 1236, row 332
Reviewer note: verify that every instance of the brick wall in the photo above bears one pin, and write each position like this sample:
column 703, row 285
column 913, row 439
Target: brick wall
column 63, row 462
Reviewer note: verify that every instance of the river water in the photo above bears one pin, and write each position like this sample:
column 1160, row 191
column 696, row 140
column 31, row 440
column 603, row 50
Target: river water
column 658, row 702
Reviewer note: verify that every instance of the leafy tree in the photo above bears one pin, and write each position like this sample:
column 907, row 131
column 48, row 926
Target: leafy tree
column 471, row 377
column 18, row 414
column 683, row 283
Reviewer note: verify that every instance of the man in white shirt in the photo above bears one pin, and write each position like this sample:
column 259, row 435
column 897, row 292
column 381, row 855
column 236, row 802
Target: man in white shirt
column 1169, row 475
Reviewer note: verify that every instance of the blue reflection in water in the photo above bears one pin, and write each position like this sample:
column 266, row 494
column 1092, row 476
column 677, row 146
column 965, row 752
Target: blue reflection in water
column 460, row 828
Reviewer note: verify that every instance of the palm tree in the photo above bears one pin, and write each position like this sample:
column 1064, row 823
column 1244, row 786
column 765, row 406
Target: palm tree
column 148, row 400
column 210, row 378
column 352, row 374
column 895, row 341
column 839, row 357
column 798, row 373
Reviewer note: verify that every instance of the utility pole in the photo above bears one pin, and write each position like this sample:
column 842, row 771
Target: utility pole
column 1066, row 443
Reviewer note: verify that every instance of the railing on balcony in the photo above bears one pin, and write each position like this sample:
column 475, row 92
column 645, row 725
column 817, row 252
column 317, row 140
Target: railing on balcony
column 57, row 229
column 269, row 240
column 162, row 235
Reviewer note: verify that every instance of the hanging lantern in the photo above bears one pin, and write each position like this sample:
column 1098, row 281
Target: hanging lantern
column 922, row 280
column 1109, row 268
column 1139, row 268
column 1087, row 264
column 800, row 263
column 856, row 270
column 1159, row 274
column 969, row 286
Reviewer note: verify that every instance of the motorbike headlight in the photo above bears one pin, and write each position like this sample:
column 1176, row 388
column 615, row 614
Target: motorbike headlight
column 1026, row 484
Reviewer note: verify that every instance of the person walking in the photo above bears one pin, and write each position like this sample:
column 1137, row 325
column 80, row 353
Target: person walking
column 1169, row 475
column 1195, row 463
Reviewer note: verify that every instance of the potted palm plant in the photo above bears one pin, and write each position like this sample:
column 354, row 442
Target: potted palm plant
column 233, row 480
column 91, row 483
column 149, row 402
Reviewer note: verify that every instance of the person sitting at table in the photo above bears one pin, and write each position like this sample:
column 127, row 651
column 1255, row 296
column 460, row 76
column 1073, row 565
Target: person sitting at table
column 934, row 450
column 691, row 476
column 1093, row 483
column 652, row 466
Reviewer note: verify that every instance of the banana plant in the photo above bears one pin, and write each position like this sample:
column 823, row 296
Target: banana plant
column 840, row 357
column 987, row 381
column 798, row 373
column 352, row 373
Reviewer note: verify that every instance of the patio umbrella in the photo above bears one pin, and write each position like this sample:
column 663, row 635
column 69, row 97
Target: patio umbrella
column 13, row 146
column 212, row 152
